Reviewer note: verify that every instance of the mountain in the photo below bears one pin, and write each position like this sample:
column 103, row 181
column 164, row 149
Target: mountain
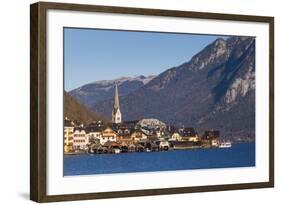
column 213, row 90
column 74, row 110
column 92, row 93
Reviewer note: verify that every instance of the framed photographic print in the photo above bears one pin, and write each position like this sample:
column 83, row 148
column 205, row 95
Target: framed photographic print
column 135, row 102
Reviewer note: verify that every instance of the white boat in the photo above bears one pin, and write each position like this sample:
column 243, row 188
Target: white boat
column 225, row 145
column 116, row 151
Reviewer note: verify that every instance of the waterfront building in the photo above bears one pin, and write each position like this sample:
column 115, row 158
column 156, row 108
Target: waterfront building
column 188, row 134
column 80, row 139
column 97, row 149
column 215, row 143
column 131, row 148
column 68, row 135
column 93, row 134
column 176, row 137
column 108, row 135
column 210, row 138
column 116, row 112
column 138, row 135
column 194, row 138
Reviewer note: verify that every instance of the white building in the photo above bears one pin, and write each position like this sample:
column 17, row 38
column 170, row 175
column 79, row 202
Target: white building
column 80, row 139
column 108, row 135
column 176, row 137
column 68, row 135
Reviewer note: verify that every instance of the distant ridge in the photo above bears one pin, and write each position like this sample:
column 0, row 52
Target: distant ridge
column 101, row 90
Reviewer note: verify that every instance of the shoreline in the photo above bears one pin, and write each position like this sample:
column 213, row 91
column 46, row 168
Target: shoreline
column 170, row 150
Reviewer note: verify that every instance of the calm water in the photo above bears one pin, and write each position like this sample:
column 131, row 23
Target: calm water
column 239, row 155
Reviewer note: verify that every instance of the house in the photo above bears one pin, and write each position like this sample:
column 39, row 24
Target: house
column 68, row 135
column 189, row 134
column 80, row 139
column 93, row 134
column 176, row 137
column 138, row 135
column 108, row 135
column 194, row 138
column 131, row 148
column 211, row 138
column 124, row 136
column 215, row 143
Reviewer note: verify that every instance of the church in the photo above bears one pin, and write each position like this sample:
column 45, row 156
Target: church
column 116, row 112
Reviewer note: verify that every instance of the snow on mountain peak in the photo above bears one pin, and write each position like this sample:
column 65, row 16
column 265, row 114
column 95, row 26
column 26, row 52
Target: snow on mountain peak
column 121, row 80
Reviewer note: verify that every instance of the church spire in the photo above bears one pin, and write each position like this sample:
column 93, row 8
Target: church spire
column 116, row 97
column 116, row 112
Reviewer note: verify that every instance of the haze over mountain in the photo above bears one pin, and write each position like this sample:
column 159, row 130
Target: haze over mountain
column 214, row 90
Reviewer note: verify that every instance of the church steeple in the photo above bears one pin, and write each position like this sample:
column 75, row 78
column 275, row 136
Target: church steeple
column 116, row 112
column 116, row 98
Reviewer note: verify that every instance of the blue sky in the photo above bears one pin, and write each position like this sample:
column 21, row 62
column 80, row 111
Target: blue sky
column 91, row 54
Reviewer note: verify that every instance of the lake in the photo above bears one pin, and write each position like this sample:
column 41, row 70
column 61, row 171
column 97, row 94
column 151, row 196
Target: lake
column 239, row 155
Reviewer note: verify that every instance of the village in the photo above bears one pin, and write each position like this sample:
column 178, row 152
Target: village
column 145, row 135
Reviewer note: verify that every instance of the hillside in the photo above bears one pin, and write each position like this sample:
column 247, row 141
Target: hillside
column 75, row 111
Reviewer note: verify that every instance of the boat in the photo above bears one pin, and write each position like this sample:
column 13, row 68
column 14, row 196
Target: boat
column 116, row 151
column 225, row 145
